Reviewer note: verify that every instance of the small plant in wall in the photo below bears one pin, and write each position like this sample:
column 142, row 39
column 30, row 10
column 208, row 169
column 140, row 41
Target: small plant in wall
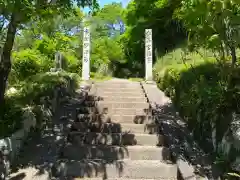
column 237, row 175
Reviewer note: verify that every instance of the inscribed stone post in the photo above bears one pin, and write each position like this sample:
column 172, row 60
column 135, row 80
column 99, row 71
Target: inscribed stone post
column 86, row 54
column 58, row 61
column 148, row 54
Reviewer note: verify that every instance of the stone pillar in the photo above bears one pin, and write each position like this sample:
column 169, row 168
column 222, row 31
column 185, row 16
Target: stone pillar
column 86, row 54
column 58, row 61
column 148, row 55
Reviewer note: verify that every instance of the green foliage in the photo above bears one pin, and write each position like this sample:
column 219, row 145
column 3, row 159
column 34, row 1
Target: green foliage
column 20, row 14
column 72, row 63
column 99, row 77
column 207, row 94
column 212, row 24
column 10, row 117
column 106, row 53
column 154, row 14
column 111, row 13
column 46, row 46
column 27, row 63
column 43, row 84
column 180, row 57
column 59, row 33
column 201, row 95
column 30, row 93
column 104, row 22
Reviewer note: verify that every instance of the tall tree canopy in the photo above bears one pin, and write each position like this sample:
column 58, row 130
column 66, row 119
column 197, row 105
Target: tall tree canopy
column 156, row 15
column 18, row 14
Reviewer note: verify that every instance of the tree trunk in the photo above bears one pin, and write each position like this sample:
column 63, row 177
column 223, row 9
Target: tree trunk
column 232, row 50
column 234, row 56
column 5, row 60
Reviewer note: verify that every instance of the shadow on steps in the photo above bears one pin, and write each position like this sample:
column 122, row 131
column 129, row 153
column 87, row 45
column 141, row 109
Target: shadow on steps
column 80, row 137
column 97, row 137
column 182, row 144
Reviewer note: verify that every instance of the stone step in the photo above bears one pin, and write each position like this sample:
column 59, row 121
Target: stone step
column 111, row 89
column 119, row 179
column 115, row 127
column 118, row 85
column 117, row 115
column 118, row 81
column 125, row 111
column 115, row 138
column 120, row 89
column 137, row 119
column 120, row 93
column 112, row 153
column 135, row 169
column 128, row 179
column 118, row 99
column 104, row 110
column 112, row 104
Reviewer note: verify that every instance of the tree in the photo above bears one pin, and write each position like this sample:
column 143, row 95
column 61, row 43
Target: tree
column 158, row 16
column 213, row 25
column 106, row 49
column 108, row 21
column 19, row 13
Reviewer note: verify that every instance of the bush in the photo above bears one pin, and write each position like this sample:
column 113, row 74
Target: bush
column 43, row 84
column 99, row 76
column 202, row 98
column 72, row 63
column 30, row 93
column 28, row 63
column 10, row 117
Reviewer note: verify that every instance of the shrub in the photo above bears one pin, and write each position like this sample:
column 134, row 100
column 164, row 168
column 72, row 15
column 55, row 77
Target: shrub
column 99, row 76
column 202, row 98
column 10, row 117
column 30, row 93
column 43, row 84
column 28, row 63
column 72, row 63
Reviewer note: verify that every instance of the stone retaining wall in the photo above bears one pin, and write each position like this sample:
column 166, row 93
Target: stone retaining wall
column 14, row 142
column 230, row 144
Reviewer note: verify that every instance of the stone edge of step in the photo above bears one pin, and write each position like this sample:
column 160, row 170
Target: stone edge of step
column 124, row 164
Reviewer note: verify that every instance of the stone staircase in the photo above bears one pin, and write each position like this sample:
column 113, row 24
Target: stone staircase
column 113, row 136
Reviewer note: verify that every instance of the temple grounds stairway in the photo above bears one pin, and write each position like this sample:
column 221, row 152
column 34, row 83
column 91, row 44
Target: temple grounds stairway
column 111, row 135
column 115, row 137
